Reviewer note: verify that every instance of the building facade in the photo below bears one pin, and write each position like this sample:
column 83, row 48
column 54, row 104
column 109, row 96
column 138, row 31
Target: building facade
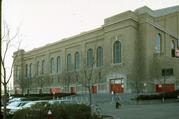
column 134, row 51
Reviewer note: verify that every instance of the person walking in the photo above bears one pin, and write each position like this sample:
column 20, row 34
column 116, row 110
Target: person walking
column 112, row 96
column 118, row 101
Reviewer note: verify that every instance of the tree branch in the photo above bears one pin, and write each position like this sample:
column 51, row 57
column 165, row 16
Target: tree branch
column 4, row 69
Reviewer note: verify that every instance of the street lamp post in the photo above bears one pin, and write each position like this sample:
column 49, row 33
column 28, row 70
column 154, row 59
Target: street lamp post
column 145, row 84
column 164, row 80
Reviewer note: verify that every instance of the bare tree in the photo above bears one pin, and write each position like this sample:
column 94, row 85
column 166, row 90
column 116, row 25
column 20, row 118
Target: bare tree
column 87, row 72
column 6, row 38
column 67, row 79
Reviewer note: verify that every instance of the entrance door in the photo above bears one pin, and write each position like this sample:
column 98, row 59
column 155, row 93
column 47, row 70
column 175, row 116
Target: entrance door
column 117, row 85
column 117, row 88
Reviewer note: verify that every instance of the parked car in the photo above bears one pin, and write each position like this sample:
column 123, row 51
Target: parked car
column 15, row 99
column 32, row 103
column 12, row 106
column 14, row 109
column 27, row 104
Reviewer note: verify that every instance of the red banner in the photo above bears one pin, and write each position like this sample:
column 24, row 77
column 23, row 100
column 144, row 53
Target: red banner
column 165, row 88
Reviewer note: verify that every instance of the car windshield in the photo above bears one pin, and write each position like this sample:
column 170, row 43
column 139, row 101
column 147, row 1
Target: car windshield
column 23, row 103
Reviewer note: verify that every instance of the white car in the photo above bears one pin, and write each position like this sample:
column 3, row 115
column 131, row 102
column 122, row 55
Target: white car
column 12, row 106
column 30, row 104
column 59, row 102
column 27, row 104
column 19, row 105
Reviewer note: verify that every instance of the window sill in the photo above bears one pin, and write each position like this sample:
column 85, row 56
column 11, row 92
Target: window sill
column 117, row 64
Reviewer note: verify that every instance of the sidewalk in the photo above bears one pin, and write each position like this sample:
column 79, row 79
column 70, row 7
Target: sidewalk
column 142, row 111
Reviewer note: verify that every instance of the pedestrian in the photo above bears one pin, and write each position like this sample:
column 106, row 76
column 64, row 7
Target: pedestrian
column 112, row 95
column 118, row 101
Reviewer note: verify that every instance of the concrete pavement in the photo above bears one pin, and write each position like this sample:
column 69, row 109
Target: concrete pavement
column 142, row 111
column 151, row 109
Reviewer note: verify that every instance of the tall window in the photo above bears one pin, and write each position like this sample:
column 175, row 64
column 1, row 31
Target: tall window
column 43, row 66
column 30, row 70
column 69, row 62
column 90, row 57
column 158, row 43
column 173, row 49
column 117, row 52
column 26, row 70
column 52, row 65
column 77, row 60
column 18, row 73
column 99, row 56
column 58, row 64
column 38, row 68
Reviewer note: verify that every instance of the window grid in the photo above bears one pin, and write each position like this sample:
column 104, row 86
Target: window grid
column 30, row 70
column 117, row 52
column 38, row 68
column 43, row 66
column 77, row 60
column 99, row 56
column 90, row 57
column 158, row 43
column 69, row 63
column 26, row 70
column 52, row 65
column 58, row 64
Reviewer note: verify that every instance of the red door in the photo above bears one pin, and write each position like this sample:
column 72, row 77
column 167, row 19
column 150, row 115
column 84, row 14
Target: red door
column 94, row 89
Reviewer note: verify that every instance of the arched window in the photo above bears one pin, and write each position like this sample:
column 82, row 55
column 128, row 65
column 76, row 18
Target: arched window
column 58, row 64
column 38, row 68
column 158, row 43
column 69, row 62
column 90, row 57
column 99, row 56
column 117, row 52
column 43, row 66
column 77, row 60
column 52, row 65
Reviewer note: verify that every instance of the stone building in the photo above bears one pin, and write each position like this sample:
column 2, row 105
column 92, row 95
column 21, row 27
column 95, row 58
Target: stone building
column 134, row 51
